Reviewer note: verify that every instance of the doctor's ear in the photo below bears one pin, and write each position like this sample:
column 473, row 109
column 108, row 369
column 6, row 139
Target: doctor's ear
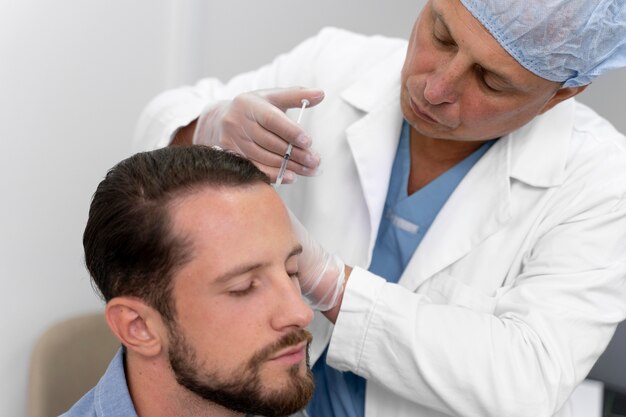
column 138, row 326
column 561, row 95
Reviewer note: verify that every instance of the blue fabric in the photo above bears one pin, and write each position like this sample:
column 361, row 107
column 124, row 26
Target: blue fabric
column 570, row 41
column 403, row 225
column 407, row 218
column 110, row 397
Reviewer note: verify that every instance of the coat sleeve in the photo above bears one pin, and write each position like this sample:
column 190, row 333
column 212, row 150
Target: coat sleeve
column 176, row 108
column 523, row 352
column 328, row 60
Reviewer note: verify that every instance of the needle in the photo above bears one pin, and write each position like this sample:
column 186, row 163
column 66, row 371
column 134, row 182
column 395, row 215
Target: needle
column 283, row 165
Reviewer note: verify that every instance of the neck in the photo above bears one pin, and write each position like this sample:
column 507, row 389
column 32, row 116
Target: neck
column 155, row 392
column 432, row 157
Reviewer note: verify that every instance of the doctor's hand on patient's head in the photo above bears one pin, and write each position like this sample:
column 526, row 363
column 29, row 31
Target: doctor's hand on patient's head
column 254, row 124
column 321, row 274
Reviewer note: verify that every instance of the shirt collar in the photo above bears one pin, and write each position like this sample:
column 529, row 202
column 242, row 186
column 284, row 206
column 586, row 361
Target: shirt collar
column 374, row 86
column 538, row 151
column 112, row 398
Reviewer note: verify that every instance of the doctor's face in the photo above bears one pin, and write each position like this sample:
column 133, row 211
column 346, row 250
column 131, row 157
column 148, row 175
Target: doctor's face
column 458, row 83
column 238, row 336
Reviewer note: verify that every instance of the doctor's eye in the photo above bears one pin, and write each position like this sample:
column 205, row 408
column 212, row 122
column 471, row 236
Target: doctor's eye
column 484, row 81
column 441, row 35
column 443, row 41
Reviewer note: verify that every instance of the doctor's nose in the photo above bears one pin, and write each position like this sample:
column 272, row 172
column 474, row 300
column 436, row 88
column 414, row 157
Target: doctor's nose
column 444, row 84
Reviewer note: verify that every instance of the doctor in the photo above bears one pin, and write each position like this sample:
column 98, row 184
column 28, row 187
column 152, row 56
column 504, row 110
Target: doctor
column 483, row 208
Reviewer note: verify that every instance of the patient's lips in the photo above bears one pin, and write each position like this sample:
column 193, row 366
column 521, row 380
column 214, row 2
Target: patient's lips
column 291, row 355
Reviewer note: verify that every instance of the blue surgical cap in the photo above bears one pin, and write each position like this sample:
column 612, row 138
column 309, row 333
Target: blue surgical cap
column 568, row 41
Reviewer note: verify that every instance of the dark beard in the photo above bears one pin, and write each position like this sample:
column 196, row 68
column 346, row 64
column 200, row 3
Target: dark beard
column 243, row 391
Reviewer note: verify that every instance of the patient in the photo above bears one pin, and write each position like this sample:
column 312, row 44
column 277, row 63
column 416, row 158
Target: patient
column 193, row 252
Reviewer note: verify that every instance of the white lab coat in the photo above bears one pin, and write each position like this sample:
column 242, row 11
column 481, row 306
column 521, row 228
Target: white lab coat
column 517, row 287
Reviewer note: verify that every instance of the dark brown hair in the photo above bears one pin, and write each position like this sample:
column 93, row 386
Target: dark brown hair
column 130, row 247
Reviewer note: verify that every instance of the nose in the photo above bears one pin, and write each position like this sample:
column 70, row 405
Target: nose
column 291, row 311
column 444, row 84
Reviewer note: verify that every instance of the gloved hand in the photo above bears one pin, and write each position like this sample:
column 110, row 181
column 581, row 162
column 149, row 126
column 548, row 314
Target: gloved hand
column 254, row 124
column 321, row 274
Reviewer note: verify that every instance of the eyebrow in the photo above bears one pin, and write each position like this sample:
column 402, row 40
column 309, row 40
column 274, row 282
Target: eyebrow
column 245, row 268
column 504, row 78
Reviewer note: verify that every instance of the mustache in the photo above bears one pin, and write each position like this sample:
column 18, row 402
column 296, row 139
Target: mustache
column 290, row 339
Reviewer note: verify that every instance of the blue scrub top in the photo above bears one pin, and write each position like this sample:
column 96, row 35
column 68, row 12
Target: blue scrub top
column 405, row 221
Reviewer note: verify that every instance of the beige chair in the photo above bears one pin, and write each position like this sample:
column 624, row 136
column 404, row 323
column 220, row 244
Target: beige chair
column 68, row 360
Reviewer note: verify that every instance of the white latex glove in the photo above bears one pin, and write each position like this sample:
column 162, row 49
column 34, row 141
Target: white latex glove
column 321, row 274
column 254, row 124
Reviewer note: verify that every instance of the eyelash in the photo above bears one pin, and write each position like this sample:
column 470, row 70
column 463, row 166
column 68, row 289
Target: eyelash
column 481, row 78
column 442, row 42
column 252, row 287
column 487, row 86
column 241, row 293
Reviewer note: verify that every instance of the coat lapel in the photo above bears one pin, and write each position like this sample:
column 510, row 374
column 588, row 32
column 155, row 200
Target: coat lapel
column 373, row 139
column 478, row 207
column 482, row 203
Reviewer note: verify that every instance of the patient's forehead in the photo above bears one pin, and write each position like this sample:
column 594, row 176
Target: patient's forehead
column 234, row 226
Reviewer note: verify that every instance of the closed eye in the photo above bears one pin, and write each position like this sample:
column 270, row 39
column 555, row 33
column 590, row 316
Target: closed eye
column 483, row 80
column 243, row 291
column 442, row 41
column 441, row 34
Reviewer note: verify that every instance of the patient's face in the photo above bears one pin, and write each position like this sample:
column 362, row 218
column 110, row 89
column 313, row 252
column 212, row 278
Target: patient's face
column 238, row 337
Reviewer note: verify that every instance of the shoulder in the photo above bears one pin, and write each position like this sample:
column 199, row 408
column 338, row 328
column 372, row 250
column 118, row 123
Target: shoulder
column 588, row 122
column 342, row 35
column 336, row 58
column 85, row 407
column 351, row 44
column 110, row 397
column 595, row 140
column 596, row 162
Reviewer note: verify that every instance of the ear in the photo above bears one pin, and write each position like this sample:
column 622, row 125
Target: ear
column 138, row 326
column 562, row 94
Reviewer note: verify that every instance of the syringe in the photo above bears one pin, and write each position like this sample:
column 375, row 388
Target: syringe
column 283, row 165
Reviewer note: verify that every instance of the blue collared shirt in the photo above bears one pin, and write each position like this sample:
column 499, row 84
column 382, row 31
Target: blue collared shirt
column 406, row 218
column 110, row 397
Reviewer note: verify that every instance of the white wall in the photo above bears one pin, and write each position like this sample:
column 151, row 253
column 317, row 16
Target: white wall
column 607, row 95
column 74, row 75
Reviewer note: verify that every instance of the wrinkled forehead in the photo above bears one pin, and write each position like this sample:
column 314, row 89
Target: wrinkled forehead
column 558, row 40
